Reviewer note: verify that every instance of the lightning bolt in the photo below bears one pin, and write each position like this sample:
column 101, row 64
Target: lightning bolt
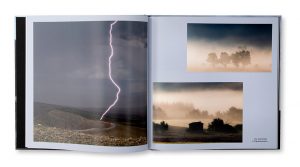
column 109, row 70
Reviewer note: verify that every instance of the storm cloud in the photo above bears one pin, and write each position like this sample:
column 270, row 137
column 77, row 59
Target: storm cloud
column 71, row 63
column 253, row 35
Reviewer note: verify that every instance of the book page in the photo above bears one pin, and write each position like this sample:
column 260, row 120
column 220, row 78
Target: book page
column 214, row 82
column 86, row 83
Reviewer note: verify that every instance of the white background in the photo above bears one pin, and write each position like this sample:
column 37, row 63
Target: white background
column 289, row 93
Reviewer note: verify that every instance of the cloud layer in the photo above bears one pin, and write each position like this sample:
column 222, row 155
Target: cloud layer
column 255, row 35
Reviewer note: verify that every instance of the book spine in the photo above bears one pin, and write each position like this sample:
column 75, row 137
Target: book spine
column 20, row 60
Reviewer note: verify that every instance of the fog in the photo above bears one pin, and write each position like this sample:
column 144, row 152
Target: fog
column 206, row 98
column 204, row 39
column 180, row 103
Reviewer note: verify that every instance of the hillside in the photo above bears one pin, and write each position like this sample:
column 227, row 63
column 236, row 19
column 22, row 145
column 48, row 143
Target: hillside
column 53, row 123
column 57, row 135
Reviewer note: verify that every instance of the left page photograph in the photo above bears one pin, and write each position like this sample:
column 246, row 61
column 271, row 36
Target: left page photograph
column 86, row 83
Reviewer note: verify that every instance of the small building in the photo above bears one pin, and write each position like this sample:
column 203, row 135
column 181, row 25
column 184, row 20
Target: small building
column 196, row 127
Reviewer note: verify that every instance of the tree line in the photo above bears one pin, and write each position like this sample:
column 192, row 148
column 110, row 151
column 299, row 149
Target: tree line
column 241, row 57
column 216, row 125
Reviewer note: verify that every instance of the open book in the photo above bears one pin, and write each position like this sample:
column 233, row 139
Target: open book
column 132, row 83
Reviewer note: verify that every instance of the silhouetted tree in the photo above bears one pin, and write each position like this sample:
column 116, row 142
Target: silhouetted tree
column 235, row 58
column 238, row 127
column 246, row 59
column 217, row 125
column 162, row 126
column 224, row 59
column 212, row 59
column 228, row 129
column 241, row 57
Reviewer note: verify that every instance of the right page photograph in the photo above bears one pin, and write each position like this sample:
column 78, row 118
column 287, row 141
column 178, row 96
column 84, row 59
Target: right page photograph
column 214, row 82
column 187, row 112
column 229, row 47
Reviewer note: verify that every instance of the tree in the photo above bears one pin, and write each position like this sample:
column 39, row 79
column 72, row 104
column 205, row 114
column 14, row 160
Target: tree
column 241, row 57
column 162, row 126
column 246, row 59
column 216, row 125
column 224, row 59
column 212, row 59
column 235, row 58
column 239, row 127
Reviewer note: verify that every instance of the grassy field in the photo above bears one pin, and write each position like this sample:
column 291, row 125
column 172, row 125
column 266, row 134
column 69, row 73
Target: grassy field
column 181, row 135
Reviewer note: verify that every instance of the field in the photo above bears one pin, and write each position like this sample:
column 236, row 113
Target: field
column 228, row 69
column 61, row 124
column 181, row 135
column 58, row 135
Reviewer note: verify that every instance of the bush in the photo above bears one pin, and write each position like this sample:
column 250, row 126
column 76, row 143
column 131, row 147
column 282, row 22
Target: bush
column 161, row 126
column 217, row 125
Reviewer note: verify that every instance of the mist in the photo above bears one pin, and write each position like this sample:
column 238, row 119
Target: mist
column 204, row 39
column 180, row 103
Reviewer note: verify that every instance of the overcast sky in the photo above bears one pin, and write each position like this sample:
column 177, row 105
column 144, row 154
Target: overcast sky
column 71, row 63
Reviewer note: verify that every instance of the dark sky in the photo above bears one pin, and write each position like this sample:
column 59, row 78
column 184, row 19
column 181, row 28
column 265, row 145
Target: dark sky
column 255, row 35
column 191, row 86
column 71, row 63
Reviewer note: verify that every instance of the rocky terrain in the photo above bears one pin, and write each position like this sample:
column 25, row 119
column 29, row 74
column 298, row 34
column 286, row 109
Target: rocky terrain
column 58, row 135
